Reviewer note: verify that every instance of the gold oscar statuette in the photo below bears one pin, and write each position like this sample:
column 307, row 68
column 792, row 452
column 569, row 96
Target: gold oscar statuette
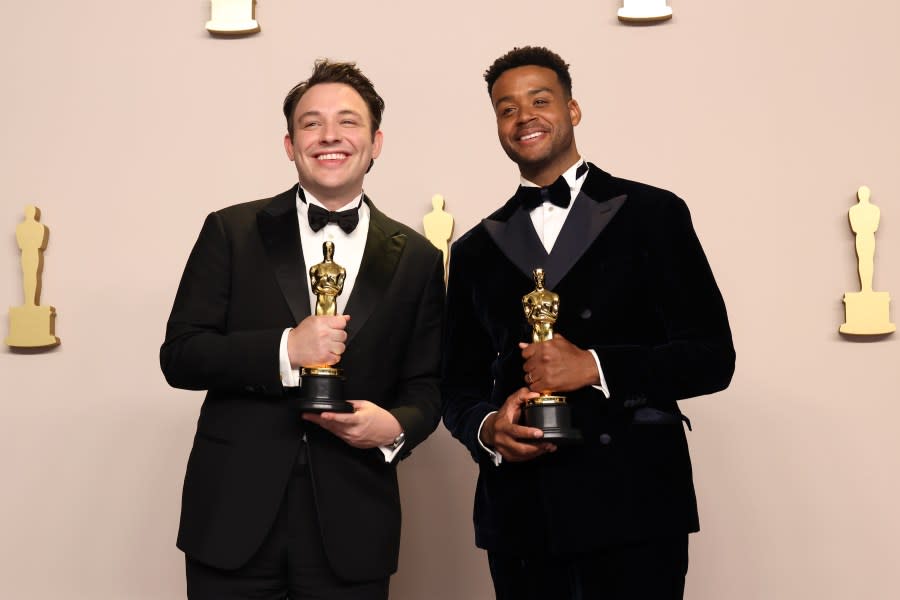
column 548, row 412
column 32, row 325
column 321, row 386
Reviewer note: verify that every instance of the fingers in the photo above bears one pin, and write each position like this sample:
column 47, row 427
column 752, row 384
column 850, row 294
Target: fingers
column 518, row 451
column 368, row 426
column 518, row 432
column 517, row 398
column 336, row 321
column 318, row 340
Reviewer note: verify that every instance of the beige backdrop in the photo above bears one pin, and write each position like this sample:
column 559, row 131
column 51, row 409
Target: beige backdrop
column 126, row 123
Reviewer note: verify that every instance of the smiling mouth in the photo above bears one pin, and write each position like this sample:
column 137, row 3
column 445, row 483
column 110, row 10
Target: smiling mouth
column 531, row 136
column 332, row 156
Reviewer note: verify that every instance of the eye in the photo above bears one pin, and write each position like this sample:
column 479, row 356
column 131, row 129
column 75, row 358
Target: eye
column 348, row 122
column 540, row 101
column 309, row 124
column 505, row 111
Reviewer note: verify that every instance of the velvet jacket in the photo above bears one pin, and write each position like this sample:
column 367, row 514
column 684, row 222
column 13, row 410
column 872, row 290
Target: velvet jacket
column 634, row 286
column 245, row 282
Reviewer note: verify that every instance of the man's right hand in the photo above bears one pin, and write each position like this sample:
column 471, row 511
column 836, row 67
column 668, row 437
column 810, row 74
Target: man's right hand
column 317, row 341
column 502, row 433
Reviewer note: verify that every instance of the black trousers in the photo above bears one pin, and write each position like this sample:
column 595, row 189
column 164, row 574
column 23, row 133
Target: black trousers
column 291, row 562
column 651, row 570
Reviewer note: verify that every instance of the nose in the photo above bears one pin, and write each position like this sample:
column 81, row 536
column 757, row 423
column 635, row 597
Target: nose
column 524, row 115
column 329, row 133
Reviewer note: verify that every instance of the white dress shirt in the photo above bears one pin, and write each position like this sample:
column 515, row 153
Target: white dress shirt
column 348, row 252
column 548, row 220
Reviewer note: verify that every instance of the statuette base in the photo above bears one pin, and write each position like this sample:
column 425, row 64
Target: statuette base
column 32, row 327
column 868, row 313
column 637, row 16
column 322, row 390
column 552, row 415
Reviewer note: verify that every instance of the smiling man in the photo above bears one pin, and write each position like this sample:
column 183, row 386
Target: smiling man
column 641, row 325
column 276, row 503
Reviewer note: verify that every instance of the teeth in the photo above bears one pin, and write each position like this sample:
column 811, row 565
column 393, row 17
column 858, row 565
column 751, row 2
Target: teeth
column 332, row 156
column 531, row 136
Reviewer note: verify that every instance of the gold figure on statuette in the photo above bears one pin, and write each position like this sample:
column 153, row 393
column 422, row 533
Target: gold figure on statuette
column 867, row 311
column 32, row 325
column 541, row 309
column 327, row 281
column 548, row 412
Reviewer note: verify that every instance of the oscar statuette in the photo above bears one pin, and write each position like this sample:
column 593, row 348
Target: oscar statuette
column 548, row 412
column 322, row 386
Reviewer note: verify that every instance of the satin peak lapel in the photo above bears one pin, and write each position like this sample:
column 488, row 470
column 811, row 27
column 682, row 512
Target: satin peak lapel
column 384, row 246
column 587, row 219
column 518, row 241
column 280, row 233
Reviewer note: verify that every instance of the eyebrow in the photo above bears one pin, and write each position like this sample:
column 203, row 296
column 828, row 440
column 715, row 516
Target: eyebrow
column 318, row 113
column 532, row 92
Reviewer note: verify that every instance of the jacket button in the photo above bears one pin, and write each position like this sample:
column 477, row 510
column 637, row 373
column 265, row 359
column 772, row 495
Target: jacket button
column 605, row 439
column 586, row 313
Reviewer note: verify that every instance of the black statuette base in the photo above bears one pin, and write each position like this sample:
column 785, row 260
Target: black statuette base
column 323, row 393
column 555, row 420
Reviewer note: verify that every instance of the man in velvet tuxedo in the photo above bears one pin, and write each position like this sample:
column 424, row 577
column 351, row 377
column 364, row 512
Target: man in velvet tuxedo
column 641, row 325
column 276, row 504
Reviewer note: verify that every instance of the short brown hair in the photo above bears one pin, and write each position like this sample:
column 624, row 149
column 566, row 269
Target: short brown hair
column 347, row 73
column 527, row 56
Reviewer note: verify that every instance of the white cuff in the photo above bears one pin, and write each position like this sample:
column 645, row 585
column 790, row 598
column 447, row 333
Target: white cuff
column 290, row 377
column 389, row 452
column 602, row 387
column 495, row 456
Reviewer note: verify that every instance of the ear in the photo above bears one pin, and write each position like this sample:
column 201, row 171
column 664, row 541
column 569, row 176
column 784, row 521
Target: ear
column 289, row 146
column 377, row 141
column 574, row 111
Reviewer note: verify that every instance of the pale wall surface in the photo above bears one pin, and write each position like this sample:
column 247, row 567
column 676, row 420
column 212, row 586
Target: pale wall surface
column 126, row 123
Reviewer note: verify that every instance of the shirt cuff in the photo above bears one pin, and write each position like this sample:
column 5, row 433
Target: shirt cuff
column 390, row 452
column 495, row 456
column 290, row 377
column 602, row 387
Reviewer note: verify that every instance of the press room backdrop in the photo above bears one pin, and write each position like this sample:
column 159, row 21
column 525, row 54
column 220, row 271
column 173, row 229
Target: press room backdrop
column 126, row 123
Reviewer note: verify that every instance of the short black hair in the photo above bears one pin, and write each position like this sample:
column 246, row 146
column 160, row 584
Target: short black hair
column 347, row 73
column 530, row 56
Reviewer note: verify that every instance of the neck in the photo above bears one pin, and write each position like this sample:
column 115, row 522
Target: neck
column 334, row 199
column 544, row 174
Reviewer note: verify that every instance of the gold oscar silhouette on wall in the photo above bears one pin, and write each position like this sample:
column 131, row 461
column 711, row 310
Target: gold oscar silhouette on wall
column 232, row 17
column 867, row 311
column 439, row 227
column 32, row 325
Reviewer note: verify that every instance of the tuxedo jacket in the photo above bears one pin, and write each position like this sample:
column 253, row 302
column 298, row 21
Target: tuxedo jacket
column 246, row 280
column 634, row 286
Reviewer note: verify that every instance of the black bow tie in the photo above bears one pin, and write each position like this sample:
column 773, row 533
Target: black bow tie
column 557, row 193
column 345, row 219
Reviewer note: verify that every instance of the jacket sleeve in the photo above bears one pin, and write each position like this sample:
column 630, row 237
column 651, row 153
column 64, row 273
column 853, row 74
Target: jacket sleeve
column 467, row 381
column 199, row 351
column 697, row 356
column 418, row 404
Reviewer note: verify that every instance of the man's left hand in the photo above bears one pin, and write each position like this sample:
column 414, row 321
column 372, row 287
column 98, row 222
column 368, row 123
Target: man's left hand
column 558, row 365
column 369, row 426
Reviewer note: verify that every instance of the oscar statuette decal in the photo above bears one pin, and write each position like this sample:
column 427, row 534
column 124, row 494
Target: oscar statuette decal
column 32, row 325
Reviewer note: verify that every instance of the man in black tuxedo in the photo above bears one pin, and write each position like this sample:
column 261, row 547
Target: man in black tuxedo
column 641, row 325
column 275, row 505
